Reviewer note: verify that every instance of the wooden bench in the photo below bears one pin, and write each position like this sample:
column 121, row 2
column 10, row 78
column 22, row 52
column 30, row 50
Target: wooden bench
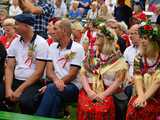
column 18, row 116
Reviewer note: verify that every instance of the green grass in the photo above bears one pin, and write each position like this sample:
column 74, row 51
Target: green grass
column 18, row 116
column 73, row 112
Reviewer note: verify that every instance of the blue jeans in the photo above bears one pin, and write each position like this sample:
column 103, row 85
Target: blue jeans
column 53, row 100
column 26, row 101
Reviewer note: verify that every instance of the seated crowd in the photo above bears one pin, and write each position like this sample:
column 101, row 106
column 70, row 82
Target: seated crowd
column 106, row 62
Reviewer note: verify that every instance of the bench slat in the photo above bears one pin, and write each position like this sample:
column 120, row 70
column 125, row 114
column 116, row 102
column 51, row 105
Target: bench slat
column 18, row 116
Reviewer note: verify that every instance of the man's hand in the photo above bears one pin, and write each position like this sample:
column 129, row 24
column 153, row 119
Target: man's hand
column 42, row 89
column 60, row 84
column 25, row 5
column 17, row 94
column 9, row 94
column 28, row 6
column 22, row 4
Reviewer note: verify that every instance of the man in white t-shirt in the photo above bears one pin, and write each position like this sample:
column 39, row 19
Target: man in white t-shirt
column 64, row 63
column 130, row 53
column 26, row 61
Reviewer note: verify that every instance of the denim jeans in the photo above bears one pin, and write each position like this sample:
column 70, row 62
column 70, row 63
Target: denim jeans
column 26, row 100
column 53, row 101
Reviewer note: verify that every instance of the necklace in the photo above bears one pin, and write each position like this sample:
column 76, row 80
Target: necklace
column 146, row 66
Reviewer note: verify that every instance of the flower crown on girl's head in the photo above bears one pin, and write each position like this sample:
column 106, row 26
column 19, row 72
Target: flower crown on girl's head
column 149, row 30
column 107, row 32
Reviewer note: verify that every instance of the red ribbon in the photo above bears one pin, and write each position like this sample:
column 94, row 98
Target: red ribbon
column 28, row 61
column 65, row 61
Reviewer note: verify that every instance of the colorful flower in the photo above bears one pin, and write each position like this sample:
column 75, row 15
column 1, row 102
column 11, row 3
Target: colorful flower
column 31, row 52
column 68, row 57
column 148, row 27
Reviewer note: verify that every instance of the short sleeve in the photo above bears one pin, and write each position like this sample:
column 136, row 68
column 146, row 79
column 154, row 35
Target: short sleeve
column 11, row 51
column 79, row 56
column 51, row 51
column 42, row 51
column 50, row 54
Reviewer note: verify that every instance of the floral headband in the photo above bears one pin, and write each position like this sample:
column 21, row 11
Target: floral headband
column 106, row 32
column 151, row 31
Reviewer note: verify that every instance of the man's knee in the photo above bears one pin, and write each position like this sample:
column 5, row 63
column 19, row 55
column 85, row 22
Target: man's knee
column 27, row 104
column 51, row 88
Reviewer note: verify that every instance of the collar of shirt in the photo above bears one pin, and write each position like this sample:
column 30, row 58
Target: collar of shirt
column 68, row 46
column 32, row 40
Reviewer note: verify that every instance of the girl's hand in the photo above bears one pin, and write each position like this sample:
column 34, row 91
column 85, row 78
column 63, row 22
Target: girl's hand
column 100, row 97
column 140, row 102
column 91, row 94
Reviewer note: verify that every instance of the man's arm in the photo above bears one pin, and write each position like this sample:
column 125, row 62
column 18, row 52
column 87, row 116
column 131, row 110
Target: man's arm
column 73, row 72
column 40, row 65
column 50, row 72
column 9, row 72
column 67, row 79
column 60, row 83
column 27, row 6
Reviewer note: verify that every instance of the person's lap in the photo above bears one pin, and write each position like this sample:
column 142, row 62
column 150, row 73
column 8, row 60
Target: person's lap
column 53, row 101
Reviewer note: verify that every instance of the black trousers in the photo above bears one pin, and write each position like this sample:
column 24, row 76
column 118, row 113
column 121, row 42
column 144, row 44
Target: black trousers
column 28, row 100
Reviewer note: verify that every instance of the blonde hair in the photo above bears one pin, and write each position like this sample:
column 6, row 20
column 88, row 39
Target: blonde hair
column 123, row 26
column 108, row 44
column 8, row 22
column 4, row 12
column 151, row 49
column 75, row 3
column 94, row 3
column 104, row 8
column 77, row 26
column 104, row 13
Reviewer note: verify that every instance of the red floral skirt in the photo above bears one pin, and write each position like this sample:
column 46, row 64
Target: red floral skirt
column 88, row 110
column 150, row 112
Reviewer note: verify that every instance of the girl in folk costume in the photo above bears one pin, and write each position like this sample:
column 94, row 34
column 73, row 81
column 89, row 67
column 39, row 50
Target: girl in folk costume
column 146, row 104
column 101, row 77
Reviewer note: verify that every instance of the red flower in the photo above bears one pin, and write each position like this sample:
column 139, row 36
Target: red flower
column 148, row 27
column 142, row 17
